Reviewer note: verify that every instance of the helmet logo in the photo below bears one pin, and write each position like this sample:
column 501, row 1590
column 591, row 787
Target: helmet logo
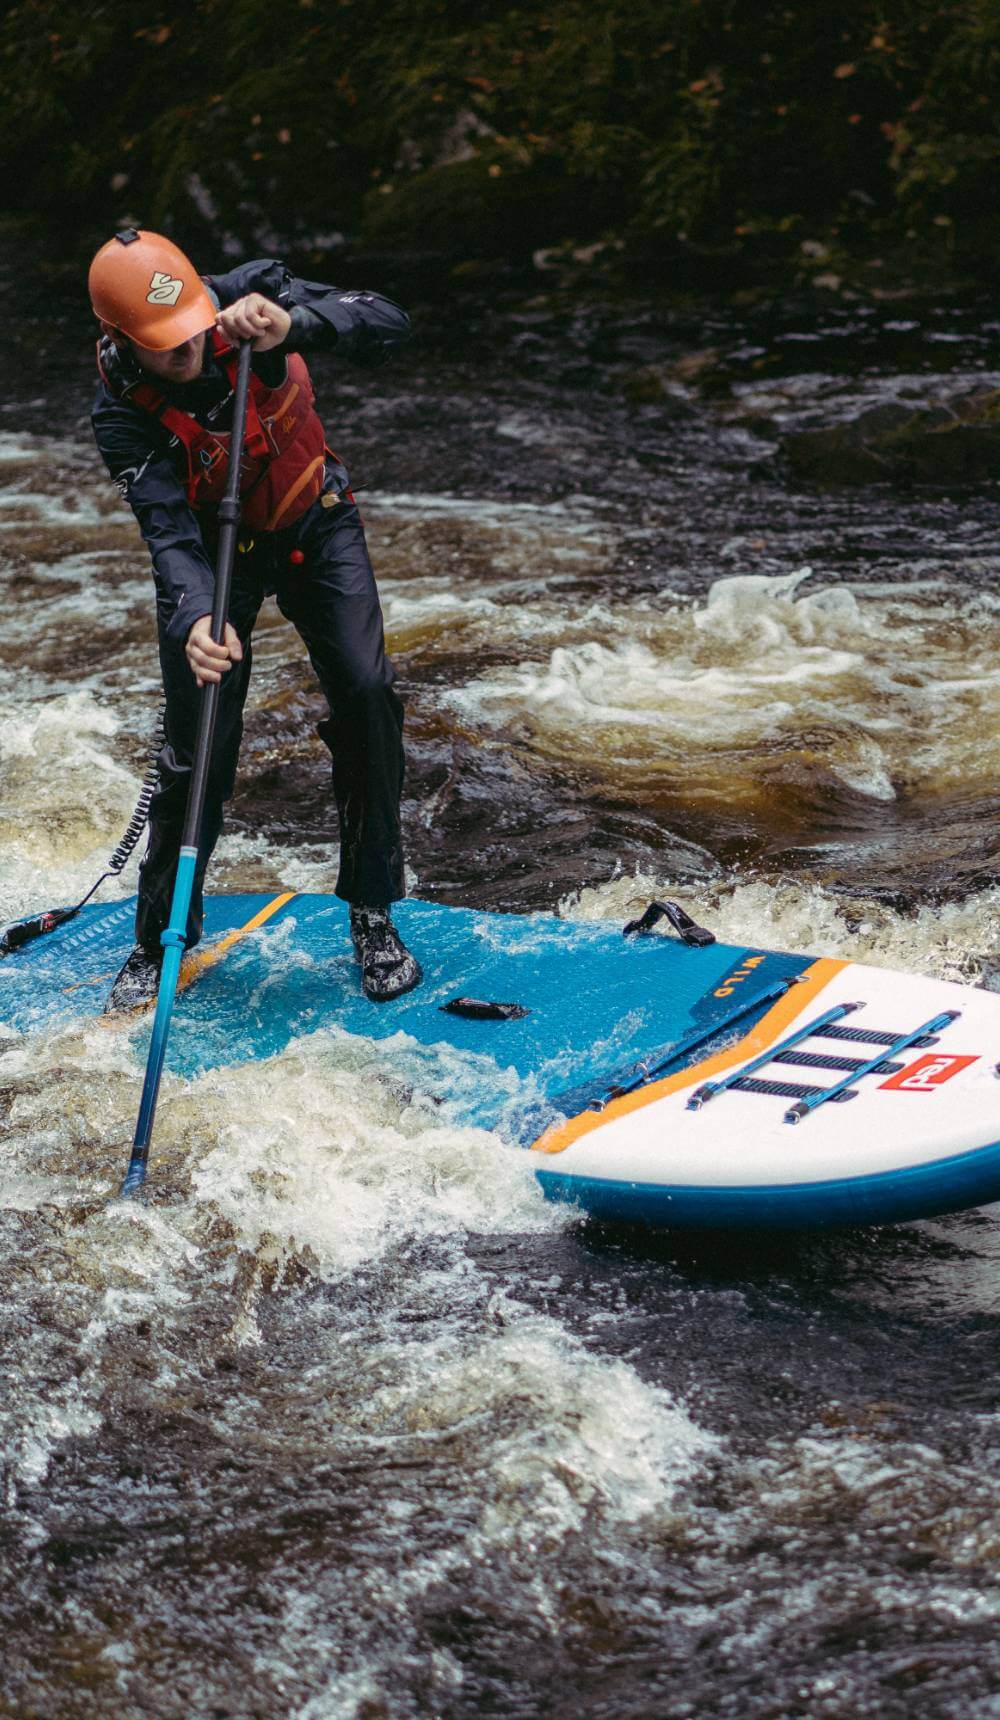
column 163, row 289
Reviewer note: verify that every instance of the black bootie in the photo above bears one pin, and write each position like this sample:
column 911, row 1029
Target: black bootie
column 136, row 983
column 387, row 967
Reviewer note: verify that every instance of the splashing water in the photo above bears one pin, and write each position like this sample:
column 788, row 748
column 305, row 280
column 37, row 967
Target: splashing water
column 346, row 1421
column 762, row 671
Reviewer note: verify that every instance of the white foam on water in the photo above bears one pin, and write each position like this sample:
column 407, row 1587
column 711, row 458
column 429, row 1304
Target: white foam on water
column 66, row 799
column 337, row 1160
column 16, row 449
column 419, row 618
column 879, row 1490
column 955, row 940
column 40, row 1428
column 48, row 630
column 313, row 1165
column 244, row 862
column 48, row 734
column 759, row 669
column 495, row 577
column 611, row 1446
column 87, row 569
column 545, row 1444
column 474, row 510
column 32, row 507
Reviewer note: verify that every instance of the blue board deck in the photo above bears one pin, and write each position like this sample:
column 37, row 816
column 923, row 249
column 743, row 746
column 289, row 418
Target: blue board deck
column 597, row 1002
column 599, row 1071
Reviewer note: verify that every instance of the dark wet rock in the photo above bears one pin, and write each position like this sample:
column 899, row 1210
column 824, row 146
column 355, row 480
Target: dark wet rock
column 758, row 413
column 703, row 373
column 654, row 385
column 956, row 441
column 695, row 365
column 707, row 370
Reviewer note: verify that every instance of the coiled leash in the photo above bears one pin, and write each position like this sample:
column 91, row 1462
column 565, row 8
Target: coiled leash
column 21, row 932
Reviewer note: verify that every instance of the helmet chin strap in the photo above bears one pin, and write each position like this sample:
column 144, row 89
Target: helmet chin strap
column 118, row 338
column 117, row 357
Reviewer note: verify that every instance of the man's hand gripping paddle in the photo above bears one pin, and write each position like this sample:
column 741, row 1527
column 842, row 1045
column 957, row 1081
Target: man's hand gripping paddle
column 173, row 938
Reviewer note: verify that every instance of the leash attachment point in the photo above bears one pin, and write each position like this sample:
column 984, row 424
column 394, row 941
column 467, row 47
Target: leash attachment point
column 687, row 929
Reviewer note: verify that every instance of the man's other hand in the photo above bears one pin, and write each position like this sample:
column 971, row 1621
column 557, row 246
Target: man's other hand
column 254, row 318
column 209, row 661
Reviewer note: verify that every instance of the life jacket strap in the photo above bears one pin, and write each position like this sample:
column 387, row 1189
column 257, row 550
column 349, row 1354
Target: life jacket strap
column 257, row 443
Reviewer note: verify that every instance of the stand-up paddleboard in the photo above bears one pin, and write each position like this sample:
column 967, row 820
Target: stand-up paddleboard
column 654, row 1081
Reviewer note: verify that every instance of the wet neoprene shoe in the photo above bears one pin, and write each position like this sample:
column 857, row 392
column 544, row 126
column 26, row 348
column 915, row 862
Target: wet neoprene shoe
column 137, row 982
column 387, row 967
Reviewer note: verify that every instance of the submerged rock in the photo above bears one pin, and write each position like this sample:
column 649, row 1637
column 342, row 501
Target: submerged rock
column 654, row 385
column 955, row 441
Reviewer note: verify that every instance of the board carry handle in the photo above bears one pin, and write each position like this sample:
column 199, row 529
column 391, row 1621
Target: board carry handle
column 687, row 929
column 483, row 1009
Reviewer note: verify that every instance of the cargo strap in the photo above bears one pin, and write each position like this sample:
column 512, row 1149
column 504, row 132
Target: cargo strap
column 809, row 1098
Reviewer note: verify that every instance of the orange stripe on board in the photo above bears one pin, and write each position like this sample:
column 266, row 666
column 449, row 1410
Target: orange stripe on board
column 193, row 966
column 769, row 1028
column 81, row 984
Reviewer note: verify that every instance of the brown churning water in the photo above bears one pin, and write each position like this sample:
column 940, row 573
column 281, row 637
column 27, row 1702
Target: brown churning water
column 347, row 1420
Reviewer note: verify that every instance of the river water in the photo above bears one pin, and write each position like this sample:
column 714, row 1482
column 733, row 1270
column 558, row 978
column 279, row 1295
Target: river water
column 346, row 1420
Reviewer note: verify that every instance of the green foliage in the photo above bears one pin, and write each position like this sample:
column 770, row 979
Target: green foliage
column 947, row 150
column 487, row 129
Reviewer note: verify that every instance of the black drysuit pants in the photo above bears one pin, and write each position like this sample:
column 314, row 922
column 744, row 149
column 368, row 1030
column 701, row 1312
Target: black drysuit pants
column 331, row 599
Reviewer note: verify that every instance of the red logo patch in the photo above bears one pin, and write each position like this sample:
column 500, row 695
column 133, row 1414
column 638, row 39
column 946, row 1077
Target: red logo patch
column 927, row 1073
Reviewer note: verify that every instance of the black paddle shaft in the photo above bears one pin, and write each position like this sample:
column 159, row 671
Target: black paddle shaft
column 229, row 519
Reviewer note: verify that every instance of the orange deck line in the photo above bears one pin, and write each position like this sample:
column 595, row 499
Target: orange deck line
column 768, row 1029
column 194, row 966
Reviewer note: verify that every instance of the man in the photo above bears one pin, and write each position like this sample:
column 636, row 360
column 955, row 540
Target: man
column 162, row 419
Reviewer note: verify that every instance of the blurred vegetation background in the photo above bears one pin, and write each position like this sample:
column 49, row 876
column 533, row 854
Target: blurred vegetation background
column 695, row 135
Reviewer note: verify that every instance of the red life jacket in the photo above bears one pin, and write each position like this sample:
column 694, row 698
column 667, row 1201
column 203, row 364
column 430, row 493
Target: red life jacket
column 284, row 453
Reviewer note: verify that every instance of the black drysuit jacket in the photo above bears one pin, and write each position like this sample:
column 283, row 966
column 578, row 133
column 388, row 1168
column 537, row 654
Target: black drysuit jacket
column 146, row 461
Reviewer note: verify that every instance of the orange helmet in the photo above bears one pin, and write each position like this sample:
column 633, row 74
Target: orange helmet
column 144, row 285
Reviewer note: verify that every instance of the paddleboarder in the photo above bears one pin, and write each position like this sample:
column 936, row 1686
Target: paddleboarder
column 162, row 418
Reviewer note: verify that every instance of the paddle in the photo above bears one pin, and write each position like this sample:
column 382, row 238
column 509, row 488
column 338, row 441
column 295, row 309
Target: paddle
column 173, row 938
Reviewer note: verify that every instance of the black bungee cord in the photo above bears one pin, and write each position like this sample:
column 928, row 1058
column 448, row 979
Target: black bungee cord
column 21, row 932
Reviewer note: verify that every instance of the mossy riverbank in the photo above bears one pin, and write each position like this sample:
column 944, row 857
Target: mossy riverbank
column 697, row 141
